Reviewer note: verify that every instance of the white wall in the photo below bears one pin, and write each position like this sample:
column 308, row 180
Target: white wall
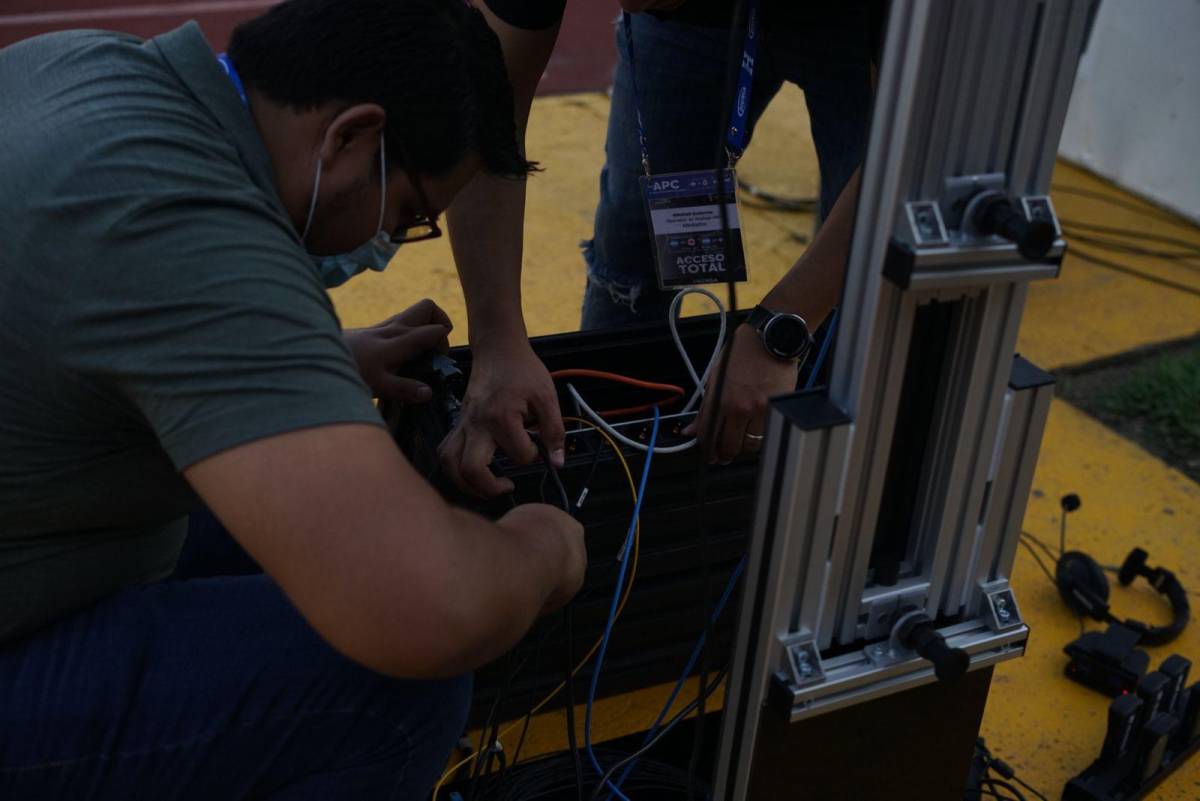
column 1135, row 112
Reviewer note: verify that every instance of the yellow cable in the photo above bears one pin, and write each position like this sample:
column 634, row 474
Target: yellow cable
column 637, row 537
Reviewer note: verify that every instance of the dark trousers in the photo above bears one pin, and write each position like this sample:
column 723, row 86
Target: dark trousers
column 680, row 80
column 212, row 688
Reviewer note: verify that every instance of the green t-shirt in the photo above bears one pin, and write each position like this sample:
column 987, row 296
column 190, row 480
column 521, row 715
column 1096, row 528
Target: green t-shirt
column 156, row 307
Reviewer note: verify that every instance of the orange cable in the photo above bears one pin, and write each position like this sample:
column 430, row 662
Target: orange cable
column 676, row 392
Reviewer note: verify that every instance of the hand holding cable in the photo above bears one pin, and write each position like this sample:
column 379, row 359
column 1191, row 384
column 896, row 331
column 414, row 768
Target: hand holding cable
column 509, row 388
column 381, row 350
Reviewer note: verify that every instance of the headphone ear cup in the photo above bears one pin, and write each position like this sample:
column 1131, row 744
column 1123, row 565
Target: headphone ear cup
column 1082, row 585
column 1133, row 566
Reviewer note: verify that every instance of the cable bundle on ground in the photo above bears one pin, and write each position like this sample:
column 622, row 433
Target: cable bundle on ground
column 553, row 777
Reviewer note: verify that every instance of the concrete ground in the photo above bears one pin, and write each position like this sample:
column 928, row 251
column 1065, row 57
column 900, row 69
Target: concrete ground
column 1047, row 727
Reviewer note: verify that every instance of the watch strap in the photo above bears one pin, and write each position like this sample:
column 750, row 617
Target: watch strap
column 759, row 317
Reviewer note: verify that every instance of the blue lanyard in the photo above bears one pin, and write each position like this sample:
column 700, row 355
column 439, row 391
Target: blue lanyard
column 231, row 71
column 637, row 103
column 739, row 116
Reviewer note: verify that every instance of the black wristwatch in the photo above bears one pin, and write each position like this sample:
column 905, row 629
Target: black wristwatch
column 784, row 335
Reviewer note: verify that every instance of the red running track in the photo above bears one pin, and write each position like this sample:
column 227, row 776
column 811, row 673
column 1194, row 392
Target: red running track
column 582, row 60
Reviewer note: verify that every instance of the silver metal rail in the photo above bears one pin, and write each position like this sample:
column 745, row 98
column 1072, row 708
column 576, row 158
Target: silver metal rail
column 895, row 498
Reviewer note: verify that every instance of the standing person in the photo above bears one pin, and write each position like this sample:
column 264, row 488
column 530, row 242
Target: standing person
column 677, row 62
column 672, row 67
column 171, row 222
column 679, row 51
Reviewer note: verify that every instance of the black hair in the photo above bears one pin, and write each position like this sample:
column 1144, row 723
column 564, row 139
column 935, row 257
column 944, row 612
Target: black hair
column 434, row 65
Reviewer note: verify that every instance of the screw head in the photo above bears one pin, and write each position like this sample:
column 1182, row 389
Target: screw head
column 1002, row 610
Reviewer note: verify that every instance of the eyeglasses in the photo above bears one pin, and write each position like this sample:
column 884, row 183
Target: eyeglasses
column 422, row 227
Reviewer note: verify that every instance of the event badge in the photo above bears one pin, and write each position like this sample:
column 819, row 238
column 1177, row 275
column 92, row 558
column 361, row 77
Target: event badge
column 685, row 223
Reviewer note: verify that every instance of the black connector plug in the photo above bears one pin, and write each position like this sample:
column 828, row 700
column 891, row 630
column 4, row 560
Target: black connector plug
column 1150, row 734
column 1003, row 768
column 1122, row 723
column 1108, row 661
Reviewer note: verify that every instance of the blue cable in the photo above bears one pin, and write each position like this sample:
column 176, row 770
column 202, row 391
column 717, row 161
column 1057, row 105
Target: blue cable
column 687, row 670
column 737, row 572
column 612, row 611
column 812, row 376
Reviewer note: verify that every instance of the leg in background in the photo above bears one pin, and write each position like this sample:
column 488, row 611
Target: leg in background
column 680, row 82
column 831, row 63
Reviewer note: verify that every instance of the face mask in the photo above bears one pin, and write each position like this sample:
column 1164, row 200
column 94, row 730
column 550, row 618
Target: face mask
column 374, row 254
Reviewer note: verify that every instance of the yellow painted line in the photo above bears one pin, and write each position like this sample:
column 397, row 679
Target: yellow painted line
column 1091, row 312
column 612, row 717
column 1047, row 727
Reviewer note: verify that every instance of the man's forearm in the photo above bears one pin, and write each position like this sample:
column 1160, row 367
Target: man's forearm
column 487, row 218
column 813, row 286
column 486, row 225
column 505, row 577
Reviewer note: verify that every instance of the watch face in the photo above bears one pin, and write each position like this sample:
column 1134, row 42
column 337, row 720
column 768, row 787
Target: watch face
column 786, row 336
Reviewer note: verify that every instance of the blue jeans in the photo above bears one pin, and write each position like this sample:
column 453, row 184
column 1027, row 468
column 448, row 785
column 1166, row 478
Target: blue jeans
column 680, row 80
column 212, row 688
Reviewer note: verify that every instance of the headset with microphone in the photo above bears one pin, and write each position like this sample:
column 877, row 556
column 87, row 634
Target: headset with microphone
column 1084, row 587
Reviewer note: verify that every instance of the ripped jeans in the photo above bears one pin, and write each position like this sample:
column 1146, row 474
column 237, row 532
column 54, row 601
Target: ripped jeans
column 680, row 77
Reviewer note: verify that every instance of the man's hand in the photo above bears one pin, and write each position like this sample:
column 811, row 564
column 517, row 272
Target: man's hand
column 381, row 350
column 810, row 289
column 753, row 377
column 509, row 388
column 557, row 530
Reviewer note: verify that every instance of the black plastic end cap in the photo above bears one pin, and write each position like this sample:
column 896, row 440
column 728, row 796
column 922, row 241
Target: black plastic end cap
column 1037, row 240
column 952, row 665
column 1133, row 565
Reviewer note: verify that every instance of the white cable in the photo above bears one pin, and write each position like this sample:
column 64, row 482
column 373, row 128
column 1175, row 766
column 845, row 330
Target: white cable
column 617, row 435
column 672, row 320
